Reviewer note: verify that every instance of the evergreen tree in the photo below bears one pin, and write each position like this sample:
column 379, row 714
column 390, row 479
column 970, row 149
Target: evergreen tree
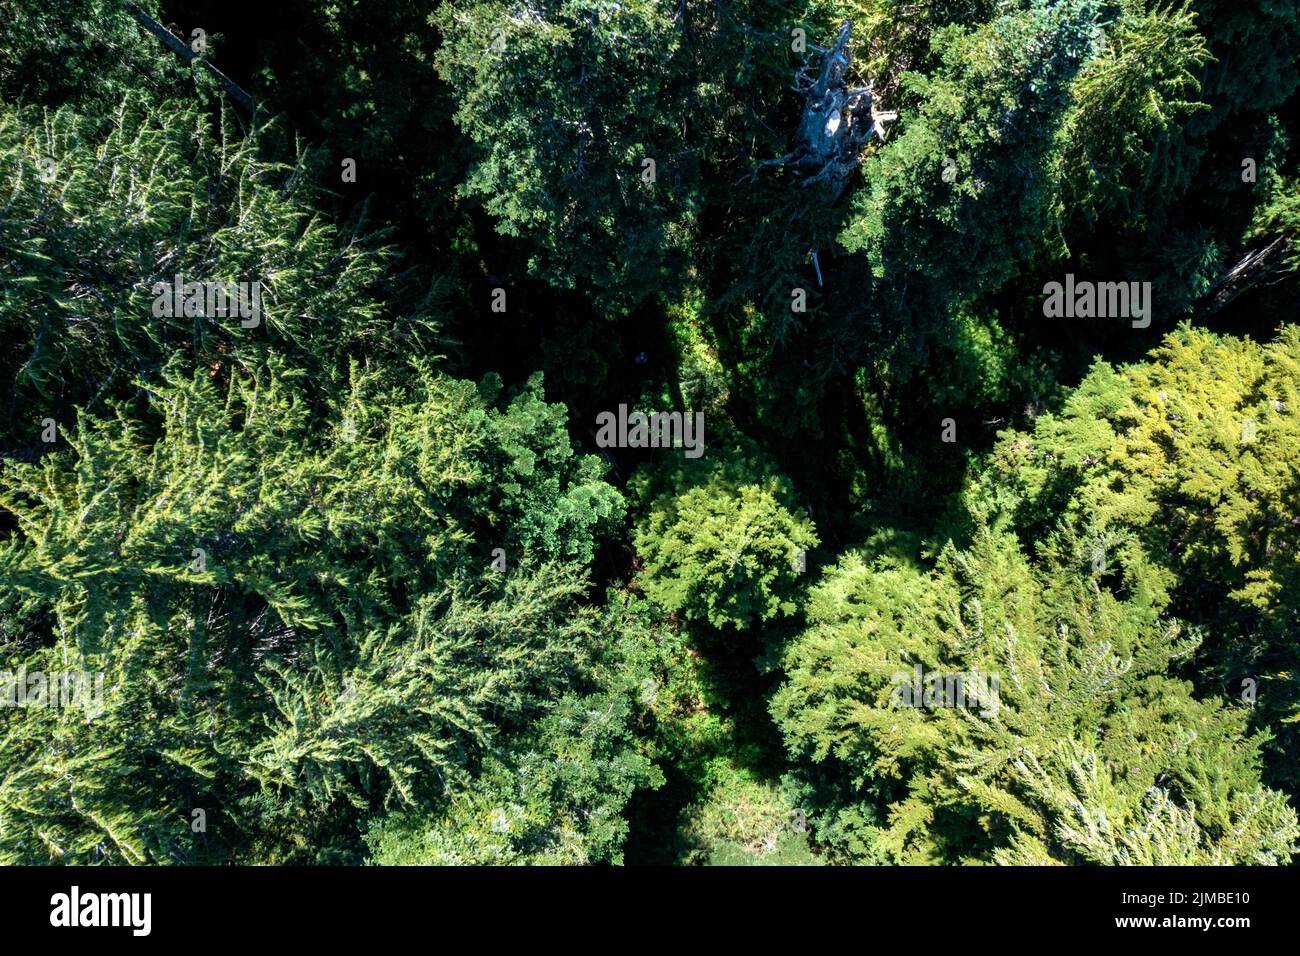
column 84, row 51
column 567, row 105
column 282, row 583
column 962, row 196
column 1189, row 479
column 722, row 542
column 108, row 214
column 286, row 610
column 913, row 769
column 1126, row 145
column 556, row 795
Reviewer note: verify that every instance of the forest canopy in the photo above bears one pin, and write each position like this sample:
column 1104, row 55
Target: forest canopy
column 953, row 515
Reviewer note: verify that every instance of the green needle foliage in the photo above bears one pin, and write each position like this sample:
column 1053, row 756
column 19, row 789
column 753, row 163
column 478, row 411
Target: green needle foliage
column 727, row 555
column 1126, row 137
column 138, row 198
column 359, row 578
column 959, row 197
column 1033, row 773
column 566, row 103
column 1188, row 480
column 722, row 542
column 283, row 608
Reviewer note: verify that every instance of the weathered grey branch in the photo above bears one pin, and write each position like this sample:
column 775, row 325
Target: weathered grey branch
column 837, row 120
column 1254, row 269
column 237, row 93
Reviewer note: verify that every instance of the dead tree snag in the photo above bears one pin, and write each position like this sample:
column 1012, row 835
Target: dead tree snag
column 837, row 120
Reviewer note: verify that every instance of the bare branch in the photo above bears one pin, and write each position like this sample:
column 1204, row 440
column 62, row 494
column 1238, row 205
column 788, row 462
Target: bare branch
column 237, row 93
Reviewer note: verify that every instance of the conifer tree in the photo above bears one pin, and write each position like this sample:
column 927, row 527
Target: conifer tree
column 579, row 110
column 109, row 213
column 912, row 770
column 556, row 794
column 963, row 194
column 1126, row 145
column 722, row 541
column 297, row 620
column 89, row 52
column 1187, row 480
column 349, row 598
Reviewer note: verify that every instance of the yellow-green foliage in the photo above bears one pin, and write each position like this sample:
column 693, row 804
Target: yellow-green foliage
column 1084, row 685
